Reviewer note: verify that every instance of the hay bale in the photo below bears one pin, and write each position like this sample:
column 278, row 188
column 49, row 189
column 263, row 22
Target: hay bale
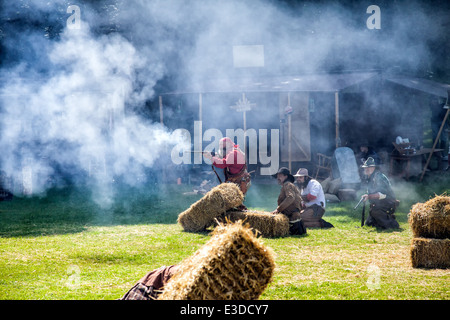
column 233, row 264
column 215, row 202
column 266, row 223
column 430, row 253
column 431, row 219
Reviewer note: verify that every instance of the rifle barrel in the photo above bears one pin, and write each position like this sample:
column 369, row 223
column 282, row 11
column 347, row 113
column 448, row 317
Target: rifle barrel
column 363, row 215
column 359, row 203
column 190, row 151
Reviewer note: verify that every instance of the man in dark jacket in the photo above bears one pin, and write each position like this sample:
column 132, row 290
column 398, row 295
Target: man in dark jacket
column 381, row 197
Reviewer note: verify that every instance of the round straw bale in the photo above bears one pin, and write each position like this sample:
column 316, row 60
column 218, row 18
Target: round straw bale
column 266, row 223
column 430, row 253
column 431, row 219
column 215, row 202
column 233, row 264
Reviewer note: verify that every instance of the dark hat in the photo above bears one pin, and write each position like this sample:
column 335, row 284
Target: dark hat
column 363, row 143
column 286, row 172
column 370, row 162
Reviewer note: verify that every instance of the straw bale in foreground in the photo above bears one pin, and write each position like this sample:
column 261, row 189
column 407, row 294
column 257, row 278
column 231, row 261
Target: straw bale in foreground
column 215, row 202
column 431, row 219
column 233, row 264
column 268, row 224
column 430, row 253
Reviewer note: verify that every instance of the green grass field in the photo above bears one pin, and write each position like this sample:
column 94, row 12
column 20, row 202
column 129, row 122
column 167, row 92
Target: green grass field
column 63, row 246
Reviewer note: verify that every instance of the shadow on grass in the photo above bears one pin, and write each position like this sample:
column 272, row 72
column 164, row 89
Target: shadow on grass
column 70, row 210
column 73, row 210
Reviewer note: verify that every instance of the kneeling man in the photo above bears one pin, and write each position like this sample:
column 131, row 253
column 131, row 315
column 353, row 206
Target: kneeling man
column 289, row 201
column 381, row 197
column 313, row 200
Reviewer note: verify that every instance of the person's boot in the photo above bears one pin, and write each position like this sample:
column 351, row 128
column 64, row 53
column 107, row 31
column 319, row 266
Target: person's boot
column 325, row 224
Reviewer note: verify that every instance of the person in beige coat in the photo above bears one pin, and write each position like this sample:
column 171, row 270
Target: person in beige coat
column 289, row 201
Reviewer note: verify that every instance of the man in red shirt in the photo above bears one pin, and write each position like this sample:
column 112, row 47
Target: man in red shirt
column 232, row 160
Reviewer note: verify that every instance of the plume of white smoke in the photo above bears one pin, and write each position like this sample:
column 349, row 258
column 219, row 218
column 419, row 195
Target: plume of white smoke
column 75, row 120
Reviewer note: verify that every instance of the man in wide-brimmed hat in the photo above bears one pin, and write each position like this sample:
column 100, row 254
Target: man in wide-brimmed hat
column 313, row 200
column 381, row 197
column 366, row 151
column 289, row 200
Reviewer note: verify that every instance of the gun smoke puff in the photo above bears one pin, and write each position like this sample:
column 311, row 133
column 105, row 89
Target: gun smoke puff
column 72, row 116
column 75, row 120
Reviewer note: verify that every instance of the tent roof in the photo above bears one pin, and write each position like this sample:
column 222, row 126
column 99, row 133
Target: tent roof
column 310, row 82
column 428, row 86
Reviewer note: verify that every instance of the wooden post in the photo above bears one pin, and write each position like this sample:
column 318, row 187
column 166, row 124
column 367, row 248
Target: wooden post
column 336, row 111
column 245, row 129
column 243, row 106
column 435, row 143
column 200, row 106
column 289, row 134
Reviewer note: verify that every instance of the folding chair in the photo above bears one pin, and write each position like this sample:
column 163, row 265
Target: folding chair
column 323, row 164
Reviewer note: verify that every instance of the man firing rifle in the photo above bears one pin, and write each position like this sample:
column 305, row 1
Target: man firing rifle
column 232, row 160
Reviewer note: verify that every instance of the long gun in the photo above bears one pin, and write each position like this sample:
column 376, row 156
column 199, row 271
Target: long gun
column 212, row 166
column 359, row 203
column 190, row 151
column 363, row 210
column 363, row 214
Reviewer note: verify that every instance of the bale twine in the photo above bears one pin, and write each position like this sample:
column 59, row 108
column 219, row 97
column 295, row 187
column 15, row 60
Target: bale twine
column 233, row 264
column 431, row 219
column 266, row 223
column 215, row 202
column 430, row 253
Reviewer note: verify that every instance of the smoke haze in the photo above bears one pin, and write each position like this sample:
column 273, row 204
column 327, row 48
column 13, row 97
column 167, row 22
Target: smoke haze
column 74, row 101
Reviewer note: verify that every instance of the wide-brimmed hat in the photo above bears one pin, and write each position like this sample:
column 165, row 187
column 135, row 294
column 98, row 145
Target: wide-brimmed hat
column 302, row 172
column 370, row 162
column 363, row 143
column 286, row 172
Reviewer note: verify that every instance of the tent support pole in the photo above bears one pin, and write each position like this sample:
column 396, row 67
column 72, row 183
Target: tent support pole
column 434, row 145
column 336, row 120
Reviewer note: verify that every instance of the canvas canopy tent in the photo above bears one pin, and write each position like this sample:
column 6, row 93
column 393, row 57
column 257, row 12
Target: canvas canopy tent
column 355, row 95
column 293, row 92
column 424, row 85
column 433, row 88
column 327, row 82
